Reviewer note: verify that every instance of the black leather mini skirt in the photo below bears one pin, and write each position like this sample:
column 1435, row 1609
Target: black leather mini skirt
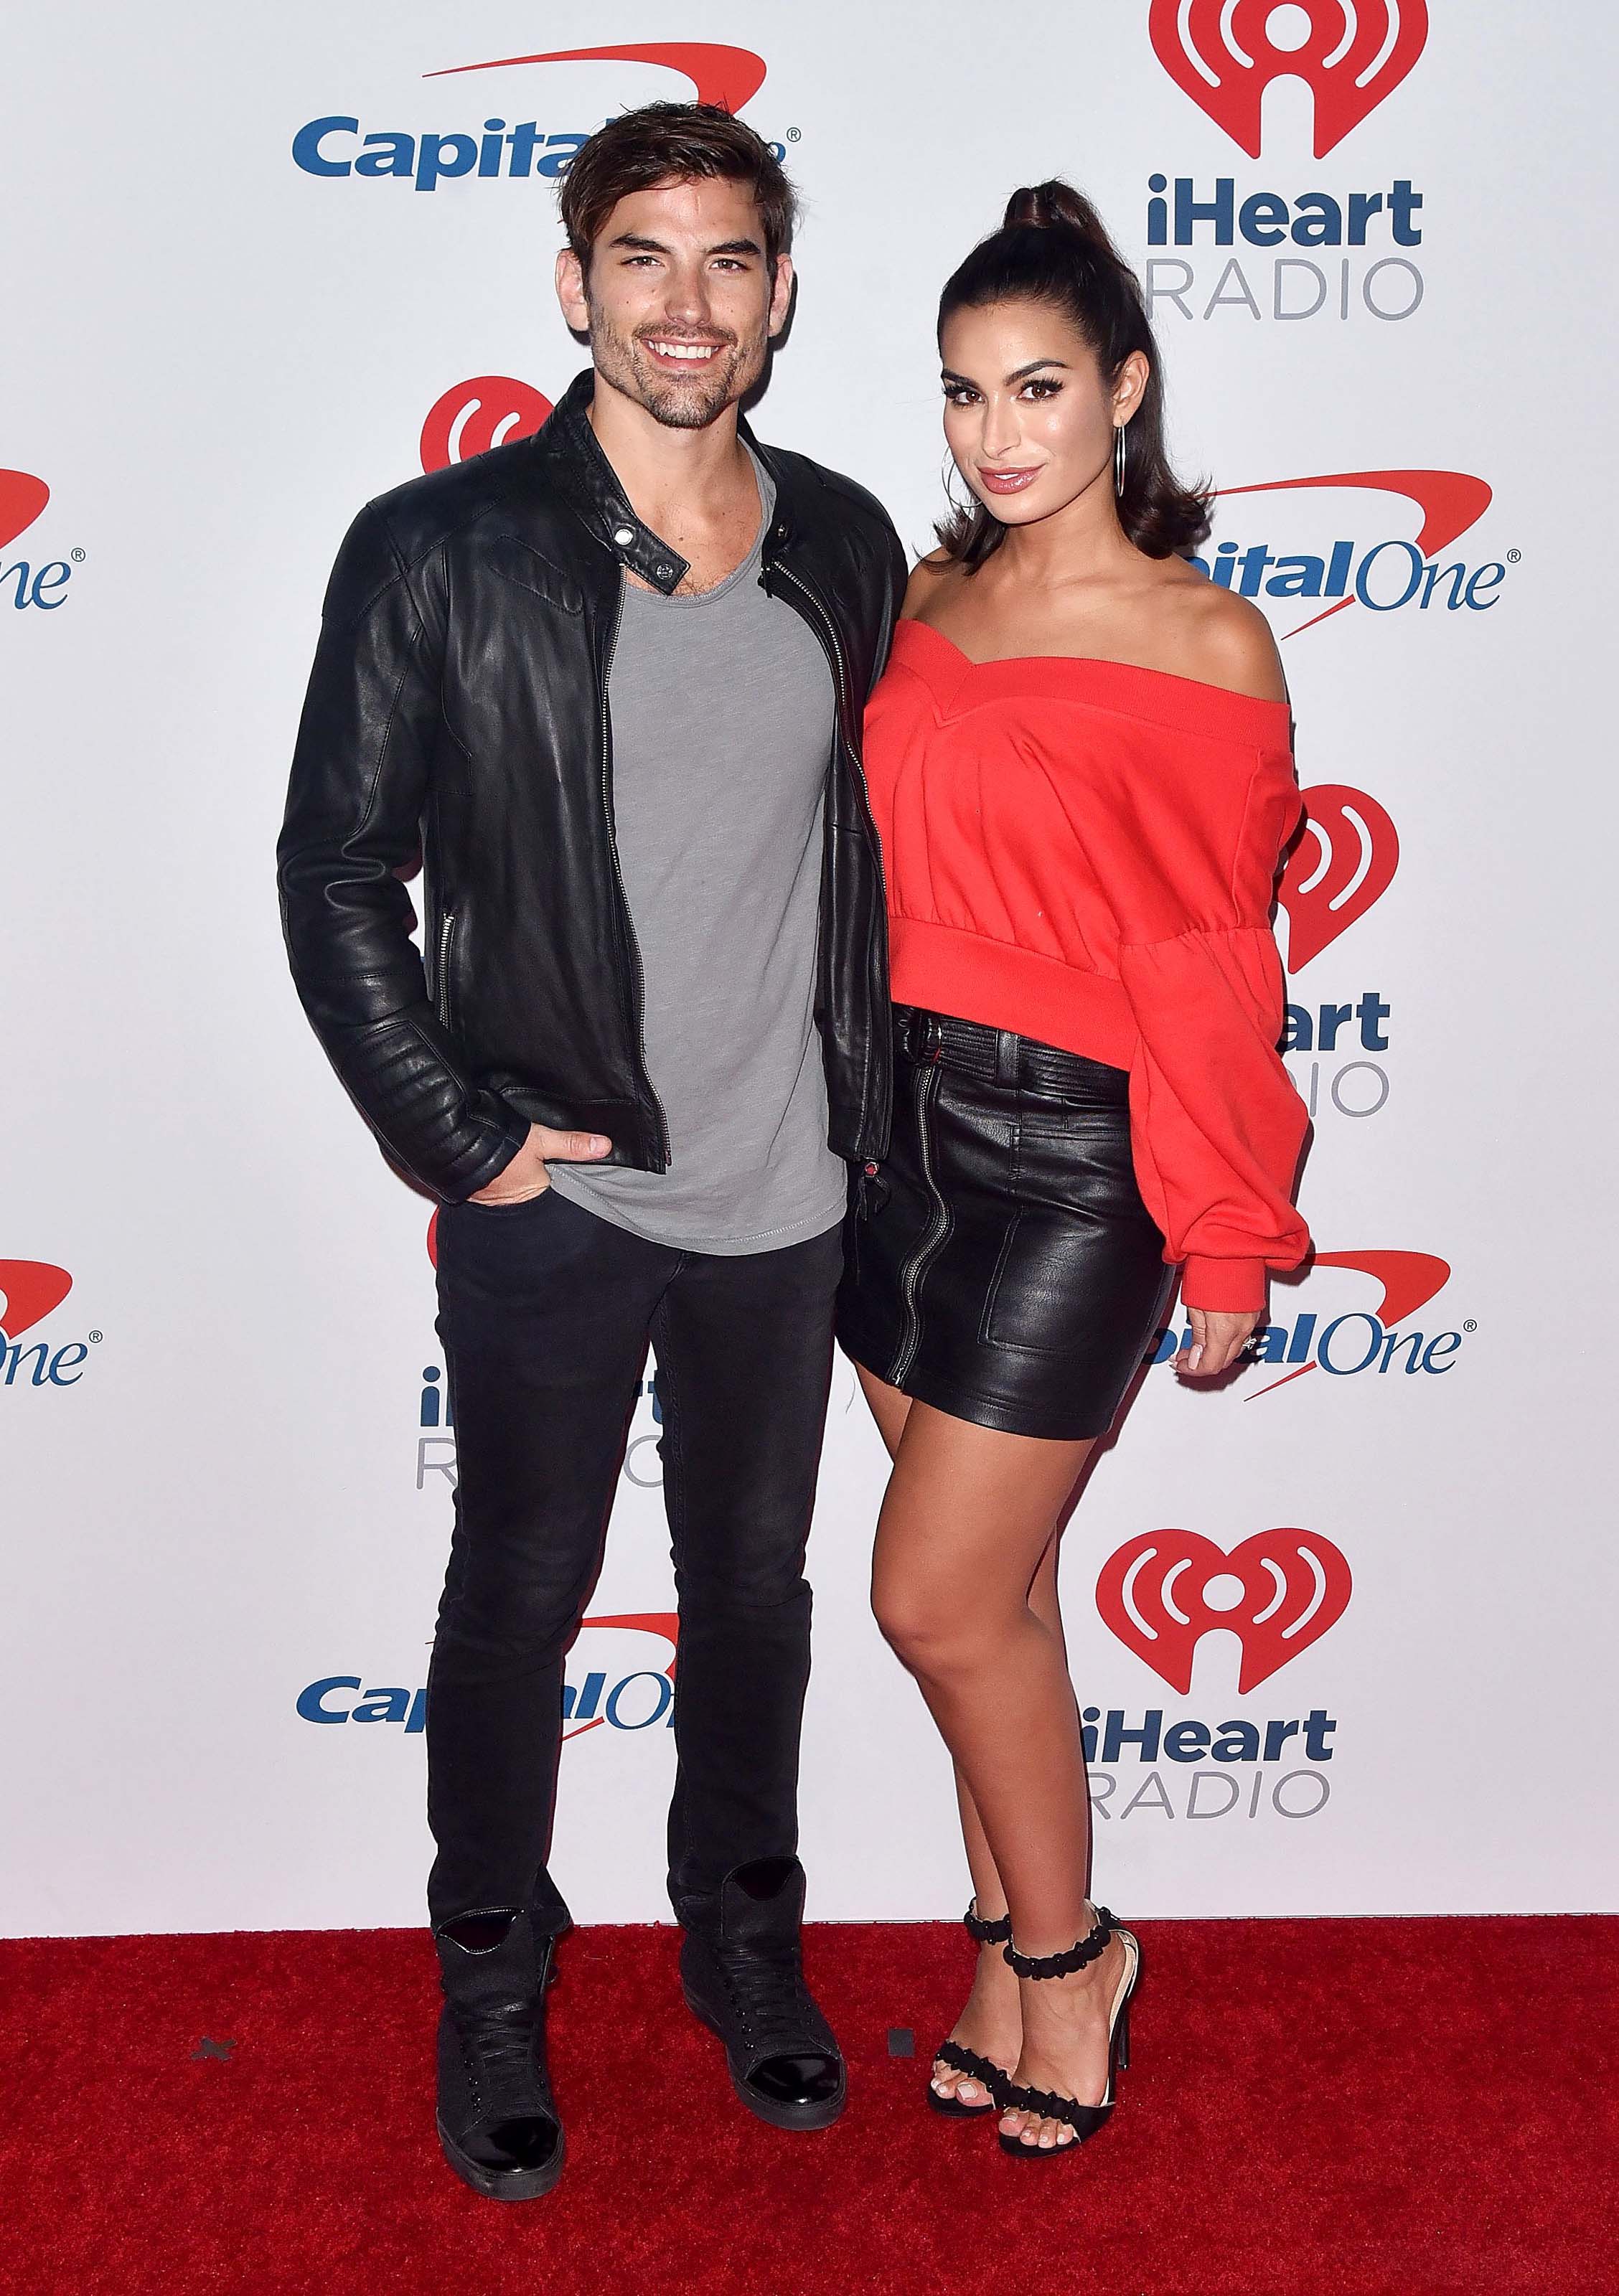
column 1000, row 1264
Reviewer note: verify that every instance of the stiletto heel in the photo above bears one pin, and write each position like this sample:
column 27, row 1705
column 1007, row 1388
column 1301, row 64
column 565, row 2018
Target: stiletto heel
column 1084, row 2120
column 955, row 2055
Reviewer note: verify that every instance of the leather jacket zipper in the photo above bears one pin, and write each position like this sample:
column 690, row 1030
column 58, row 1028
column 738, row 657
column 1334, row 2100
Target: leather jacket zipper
column 934, row 1235
column 447, row 940
column 826, row 631
column 639, row 999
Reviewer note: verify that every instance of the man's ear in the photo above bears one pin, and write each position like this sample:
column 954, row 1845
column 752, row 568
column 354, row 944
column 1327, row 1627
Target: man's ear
column 570, row 291
column 781, row 296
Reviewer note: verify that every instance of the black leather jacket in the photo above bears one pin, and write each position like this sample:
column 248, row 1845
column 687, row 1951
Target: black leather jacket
column 458, row 710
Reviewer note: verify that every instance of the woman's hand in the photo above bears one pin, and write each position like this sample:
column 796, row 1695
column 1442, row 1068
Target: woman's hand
column 1218, row 1340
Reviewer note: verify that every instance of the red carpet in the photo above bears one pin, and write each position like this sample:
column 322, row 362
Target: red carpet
column 1328, row 2108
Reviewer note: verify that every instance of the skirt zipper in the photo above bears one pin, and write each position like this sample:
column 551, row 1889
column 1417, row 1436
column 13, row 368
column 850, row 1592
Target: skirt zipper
column 932, row 1236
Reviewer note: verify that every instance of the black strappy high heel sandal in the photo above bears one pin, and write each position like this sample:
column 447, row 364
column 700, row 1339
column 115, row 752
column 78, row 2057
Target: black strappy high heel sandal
column 955, row 2055
column 1084, row 2120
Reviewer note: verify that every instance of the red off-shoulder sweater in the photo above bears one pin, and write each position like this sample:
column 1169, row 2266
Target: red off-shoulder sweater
column 1085, row 853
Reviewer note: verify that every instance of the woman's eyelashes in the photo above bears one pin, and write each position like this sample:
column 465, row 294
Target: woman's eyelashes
column 1037, row 387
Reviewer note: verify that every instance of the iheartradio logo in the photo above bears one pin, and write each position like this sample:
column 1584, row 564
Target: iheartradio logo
column 1278, row 1593
column 1349, row 53
column 1344, row 862
column 489, row 410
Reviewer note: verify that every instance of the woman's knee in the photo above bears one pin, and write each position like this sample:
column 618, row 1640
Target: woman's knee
column 933, row 1634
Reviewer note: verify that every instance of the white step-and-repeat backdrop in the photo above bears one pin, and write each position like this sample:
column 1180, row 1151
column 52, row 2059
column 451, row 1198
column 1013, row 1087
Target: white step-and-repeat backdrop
column 1342, row 1633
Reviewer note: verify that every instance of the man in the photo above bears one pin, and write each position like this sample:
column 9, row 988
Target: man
column 609, row 680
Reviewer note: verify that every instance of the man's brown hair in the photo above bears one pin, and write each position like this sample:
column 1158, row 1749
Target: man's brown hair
column 663, row 141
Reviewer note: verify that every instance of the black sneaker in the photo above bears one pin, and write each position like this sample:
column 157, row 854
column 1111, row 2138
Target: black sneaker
column 743, row 1979
column 496, row 2121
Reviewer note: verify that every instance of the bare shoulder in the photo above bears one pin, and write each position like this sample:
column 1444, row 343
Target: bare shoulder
column 1226, row 642
column 932, row 578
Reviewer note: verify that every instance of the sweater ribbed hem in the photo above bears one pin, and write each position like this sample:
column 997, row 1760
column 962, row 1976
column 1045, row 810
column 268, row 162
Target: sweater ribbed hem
column 944, row 969
column 1231, row 1287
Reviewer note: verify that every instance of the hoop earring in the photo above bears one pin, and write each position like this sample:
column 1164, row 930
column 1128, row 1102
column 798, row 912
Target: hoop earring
column 1119, row 430
column 962, row 510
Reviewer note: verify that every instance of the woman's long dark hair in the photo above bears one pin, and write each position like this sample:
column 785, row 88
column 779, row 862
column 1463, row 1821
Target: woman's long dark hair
column 1053, row 248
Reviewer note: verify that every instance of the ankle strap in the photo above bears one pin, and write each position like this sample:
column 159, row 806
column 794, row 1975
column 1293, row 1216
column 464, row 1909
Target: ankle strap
column 986, row 1933
column 1088, row 1949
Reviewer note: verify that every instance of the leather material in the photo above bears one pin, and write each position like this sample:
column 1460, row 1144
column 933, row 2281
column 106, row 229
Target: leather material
column 742, row 1975
column 1000, row 1263
column 496, row 2118
column 457, row 712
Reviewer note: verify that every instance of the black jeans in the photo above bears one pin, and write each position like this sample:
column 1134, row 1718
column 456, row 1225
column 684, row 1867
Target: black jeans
column 545, row 1313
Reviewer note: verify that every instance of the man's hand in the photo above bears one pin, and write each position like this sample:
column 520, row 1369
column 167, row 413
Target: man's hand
column 1217, row 1341
column 526, row 1175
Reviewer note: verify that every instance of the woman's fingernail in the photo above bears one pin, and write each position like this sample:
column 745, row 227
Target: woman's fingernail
column 1194, row 1358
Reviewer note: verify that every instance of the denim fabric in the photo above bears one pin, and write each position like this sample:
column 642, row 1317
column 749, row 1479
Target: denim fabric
column 546, row 1313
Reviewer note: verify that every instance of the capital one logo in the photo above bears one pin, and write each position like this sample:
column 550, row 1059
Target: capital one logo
column 728, row 77
column 1277, row 1592
column 628, row 1676
column 29, row 1290
column 1350, row 53
column 1386, row 575
column 626, row 1685
column 1344, row 860
column 336, row 147
column 22, row 497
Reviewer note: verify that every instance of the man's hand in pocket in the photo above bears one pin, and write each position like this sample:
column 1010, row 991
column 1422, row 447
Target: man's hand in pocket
column 526, row 1175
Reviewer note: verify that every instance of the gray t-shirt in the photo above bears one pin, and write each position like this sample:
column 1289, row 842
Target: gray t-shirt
column 722, row 714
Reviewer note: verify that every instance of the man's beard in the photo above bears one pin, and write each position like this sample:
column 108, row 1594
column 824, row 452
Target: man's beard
column 683, row 404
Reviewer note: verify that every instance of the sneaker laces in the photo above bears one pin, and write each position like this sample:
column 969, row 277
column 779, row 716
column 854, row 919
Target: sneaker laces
column 498, row 2043
column 773, row 2004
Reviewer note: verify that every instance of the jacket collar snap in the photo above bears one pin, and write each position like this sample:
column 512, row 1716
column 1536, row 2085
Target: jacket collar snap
column 593, row 487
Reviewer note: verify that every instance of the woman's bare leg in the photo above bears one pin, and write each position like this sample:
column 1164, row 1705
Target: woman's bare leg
column 968, row 1523
column 990, row 2024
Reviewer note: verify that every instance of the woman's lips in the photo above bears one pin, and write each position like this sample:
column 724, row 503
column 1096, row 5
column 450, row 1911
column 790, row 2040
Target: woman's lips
column 1006, row 482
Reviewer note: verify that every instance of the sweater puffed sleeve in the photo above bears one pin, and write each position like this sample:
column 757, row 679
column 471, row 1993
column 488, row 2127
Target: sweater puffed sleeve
column 1217, row 1127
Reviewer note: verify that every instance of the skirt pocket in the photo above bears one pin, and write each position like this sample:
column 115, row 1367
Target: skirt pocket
column 1080, row 1257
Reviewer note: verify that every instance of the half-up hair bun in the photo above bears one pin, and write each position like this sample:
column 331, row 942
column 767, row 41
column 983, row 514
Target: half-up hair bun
column 1053, row 248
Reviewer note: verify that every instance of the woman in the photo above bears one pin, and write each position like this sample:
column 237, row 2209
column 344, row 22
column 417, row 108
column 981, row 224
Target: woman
column 1079, row 767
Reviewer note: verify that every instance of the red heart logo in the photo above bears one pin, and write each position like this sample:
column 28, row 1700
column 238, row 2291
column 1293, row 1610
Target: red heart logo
column 22, row 497
column 471, row 417
column 1344, row 860
column 1286, row 1588
column 1222, row 54
column 32, row 1288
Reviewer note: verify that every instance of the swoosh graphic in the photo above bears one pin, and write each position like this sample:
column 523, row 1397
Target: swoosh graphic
column 1449, row 501
column 728, row 77
column 22, row 497
column 1408, row 1280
